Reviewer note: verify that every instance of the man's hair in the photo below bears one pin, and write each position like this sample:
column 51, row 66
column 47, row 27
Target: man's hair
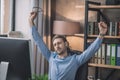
column 59, row 36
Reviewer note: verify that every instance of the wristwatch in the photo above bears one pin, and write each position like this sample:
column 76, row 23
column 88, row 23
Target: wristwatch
column 101, row 35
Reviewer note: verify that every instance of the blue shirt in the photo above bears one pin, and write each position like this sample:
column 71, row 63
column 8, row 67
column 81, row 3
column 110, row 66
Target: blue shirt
column 65, row 68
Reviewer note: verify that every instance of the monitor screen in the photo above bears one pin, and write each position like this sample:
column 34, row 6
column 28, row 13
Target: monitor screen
column 17, row 53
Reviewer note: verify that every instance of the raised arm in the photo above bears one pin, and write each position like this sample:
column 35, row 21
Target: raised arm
column 31, row 18
column 90, row 51
column 37, row 38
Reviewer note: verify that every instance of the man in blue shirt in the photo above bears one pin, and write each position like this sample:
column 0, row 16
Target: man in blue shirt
column 63, row 65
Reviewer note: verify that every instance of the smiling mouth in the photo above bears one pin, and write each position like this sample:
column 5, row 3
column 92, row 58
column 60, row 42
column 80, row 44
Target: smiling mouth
column 58, row 50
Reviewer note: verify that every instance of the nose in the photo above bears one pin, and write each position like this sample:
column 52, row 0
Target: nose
column 57, row 46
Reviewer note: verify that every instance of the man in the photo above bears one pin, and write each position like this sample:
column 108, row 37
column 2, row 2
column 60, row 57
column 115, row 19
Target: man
column 63, row 65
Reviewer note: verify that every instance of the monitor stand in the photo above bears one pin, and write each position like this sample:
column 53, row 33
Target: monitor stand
column 3, row 70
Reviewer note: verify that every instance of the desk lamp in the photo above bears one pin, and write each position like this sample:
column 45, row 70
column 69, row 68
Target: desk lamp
column 66, row 27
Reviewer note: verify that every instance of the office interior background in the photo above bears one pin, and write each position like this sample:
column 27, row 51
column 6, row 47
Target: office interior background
column 14, row 16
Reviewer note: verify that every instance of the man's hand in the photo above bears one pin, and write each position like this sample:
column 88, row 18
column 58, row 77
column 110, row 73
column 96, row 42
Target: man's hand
column 31, row 18
column 102, row 27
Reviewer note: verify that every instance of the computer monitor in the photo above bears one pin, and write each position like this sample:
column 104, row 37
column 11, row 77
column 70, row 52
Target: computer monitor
column 17, row 53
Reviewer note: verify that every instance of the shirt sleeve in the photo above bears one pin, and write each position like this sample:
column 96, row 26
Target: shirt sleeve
column 40, row 43
column 89, row 52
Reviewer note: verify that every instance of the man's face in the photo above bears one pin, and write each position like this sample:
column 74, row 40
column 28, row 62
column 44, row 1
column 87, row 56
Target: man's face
column 59, row 45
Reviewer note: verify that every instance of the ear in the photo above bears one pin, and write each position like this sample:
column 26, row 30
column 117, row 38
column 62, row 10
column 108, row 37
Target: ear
column 66, row 44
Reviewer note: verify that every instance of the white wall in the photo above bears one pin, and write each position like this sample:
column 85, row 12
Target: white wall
column 23, row 8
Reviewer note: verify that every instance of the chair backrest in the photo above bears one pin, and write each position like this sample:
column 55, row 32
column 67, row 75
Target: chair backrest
column 82, row 71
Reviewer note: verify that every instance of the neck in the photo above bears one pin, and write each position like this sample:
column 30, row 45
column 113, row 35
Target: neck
column 63, row 55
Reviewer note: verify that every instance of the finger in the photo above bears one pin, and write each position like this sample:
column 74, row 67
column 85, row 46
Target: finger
column 102, row 24
column 33, row 13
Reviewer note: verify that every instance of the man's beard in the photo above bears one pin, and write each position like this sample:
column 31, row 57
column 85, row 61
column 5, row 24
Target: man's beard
column 59, row 51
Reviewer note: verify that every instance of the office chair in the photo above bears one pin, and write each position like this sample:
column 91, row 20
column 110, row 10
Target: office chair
column 82, row 71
